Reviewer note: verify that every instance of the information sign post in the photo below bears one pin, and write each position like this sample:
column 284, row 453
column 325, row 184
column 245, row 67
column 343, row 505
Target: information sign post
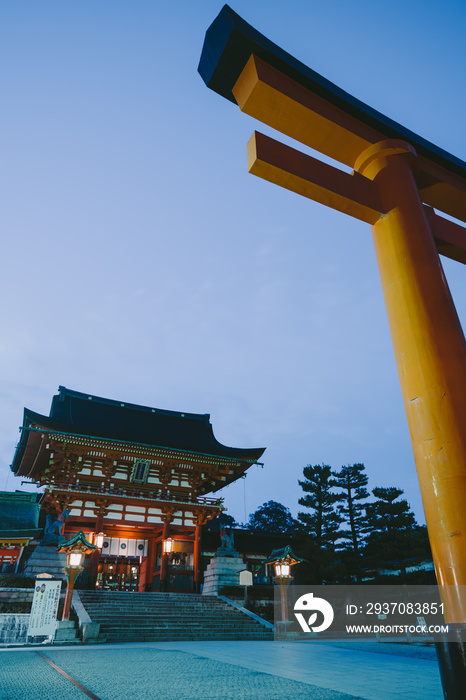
column 43, row 618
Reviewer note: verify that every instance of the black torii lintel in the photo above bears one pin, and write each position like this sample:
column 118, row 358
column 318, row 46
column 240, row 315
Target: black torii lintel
column 230, row 42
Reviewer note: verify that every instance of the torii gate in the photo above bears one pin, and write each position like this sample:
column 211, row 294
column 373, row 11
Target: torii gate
column 397, row 179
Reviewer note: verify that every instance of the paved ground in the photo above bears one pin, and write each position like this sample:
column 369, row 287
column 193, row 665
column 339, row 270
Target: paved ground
column 223, row 671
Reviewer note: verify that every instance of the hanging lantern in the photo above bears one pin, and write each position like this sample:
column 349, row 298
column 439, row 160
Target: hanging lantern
column 282, row 570
column 99, row 540
column 168, row 545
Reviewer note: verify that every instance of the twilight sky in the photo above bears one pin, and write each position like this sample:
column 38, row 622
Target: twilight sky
column 142, row 263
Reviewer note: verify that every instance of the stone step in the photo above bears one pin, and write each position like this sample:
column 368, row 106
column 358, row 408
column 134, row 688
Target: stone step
column 128, row 616
column 110, row 631
column 184, row 638
column 161, row 611
column 169, row 605
column 175, row 614
column 199, row 634
column 135, row 615
column 156, row 605
column 165, row 615
column 152, row 611
column 171, row 620
column 139, row 594
column 187, row 625
column 159, row 606
column 130, row 624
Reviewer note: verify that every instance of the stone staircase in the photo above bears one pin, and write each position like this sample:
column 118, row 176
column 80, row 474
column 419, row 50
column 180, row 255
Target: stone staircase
column 166, row 617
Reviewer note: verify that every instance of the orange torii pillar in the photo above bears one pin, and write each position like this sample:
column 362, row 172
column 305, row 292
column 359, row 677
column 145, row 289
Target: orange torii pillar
column 397, row 178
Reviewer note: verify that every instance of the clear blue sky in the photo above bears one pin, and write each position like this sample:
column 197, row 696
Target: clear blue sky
column 142, row 262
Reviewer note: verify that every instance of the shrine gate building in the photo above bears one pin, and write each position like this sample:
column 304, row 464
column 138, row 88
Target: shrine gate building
column 141, row 476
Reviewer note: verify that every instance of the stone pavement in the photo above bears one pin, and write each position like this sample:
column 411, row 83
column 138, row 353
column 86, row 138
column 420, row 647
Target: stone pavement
column 222, row 671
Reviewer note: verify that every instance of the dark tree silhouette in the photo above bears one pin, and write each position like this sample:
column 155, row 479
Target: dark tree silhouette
column 317, row 529
column 352, row 481
column 272, row 517
column 395, row 538
column 222, row 520
column 322, row 522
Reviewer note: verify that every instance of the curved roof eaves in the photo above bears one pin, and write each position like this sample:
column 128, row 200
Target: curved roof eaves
column 83, row 414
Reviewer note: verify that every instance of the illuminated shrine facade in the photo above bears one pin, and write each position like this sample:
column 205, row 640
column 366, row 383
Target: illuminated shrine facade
column 141, row 476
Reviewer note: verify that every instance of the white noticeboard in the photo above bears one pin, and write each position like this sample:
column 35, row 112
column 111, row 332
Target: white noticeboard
column 43, row 618
column 245, row 578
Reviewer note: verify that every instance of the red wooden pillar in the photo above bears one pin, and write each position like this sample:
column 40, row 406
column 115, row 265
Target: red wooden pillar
column 164, row 559
column 150, row 565
column 71, row 575
column 197, row 556
column 95, row 556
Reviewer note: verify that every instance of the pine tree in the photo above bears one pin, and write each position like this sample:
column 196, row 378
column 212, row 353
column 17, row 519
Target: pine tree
column 317, row 529
column 323, row 522
column 387, row 513
column 395, row 535
column 352, row 480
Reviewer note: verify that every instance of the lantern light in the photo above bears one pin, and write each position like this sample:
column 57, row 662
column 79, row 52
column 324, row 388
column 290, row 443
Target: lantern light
column 282, row 569
column 168, row 546
column 75, row 558
column 99, row 540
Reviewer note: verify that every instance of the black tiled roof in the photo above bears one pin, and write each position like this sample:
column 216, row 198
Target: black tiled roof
column 76, row 413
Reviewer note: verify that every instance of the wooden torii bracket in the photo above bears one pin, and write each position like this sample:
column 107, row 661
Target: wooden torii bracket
column 398, row 179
